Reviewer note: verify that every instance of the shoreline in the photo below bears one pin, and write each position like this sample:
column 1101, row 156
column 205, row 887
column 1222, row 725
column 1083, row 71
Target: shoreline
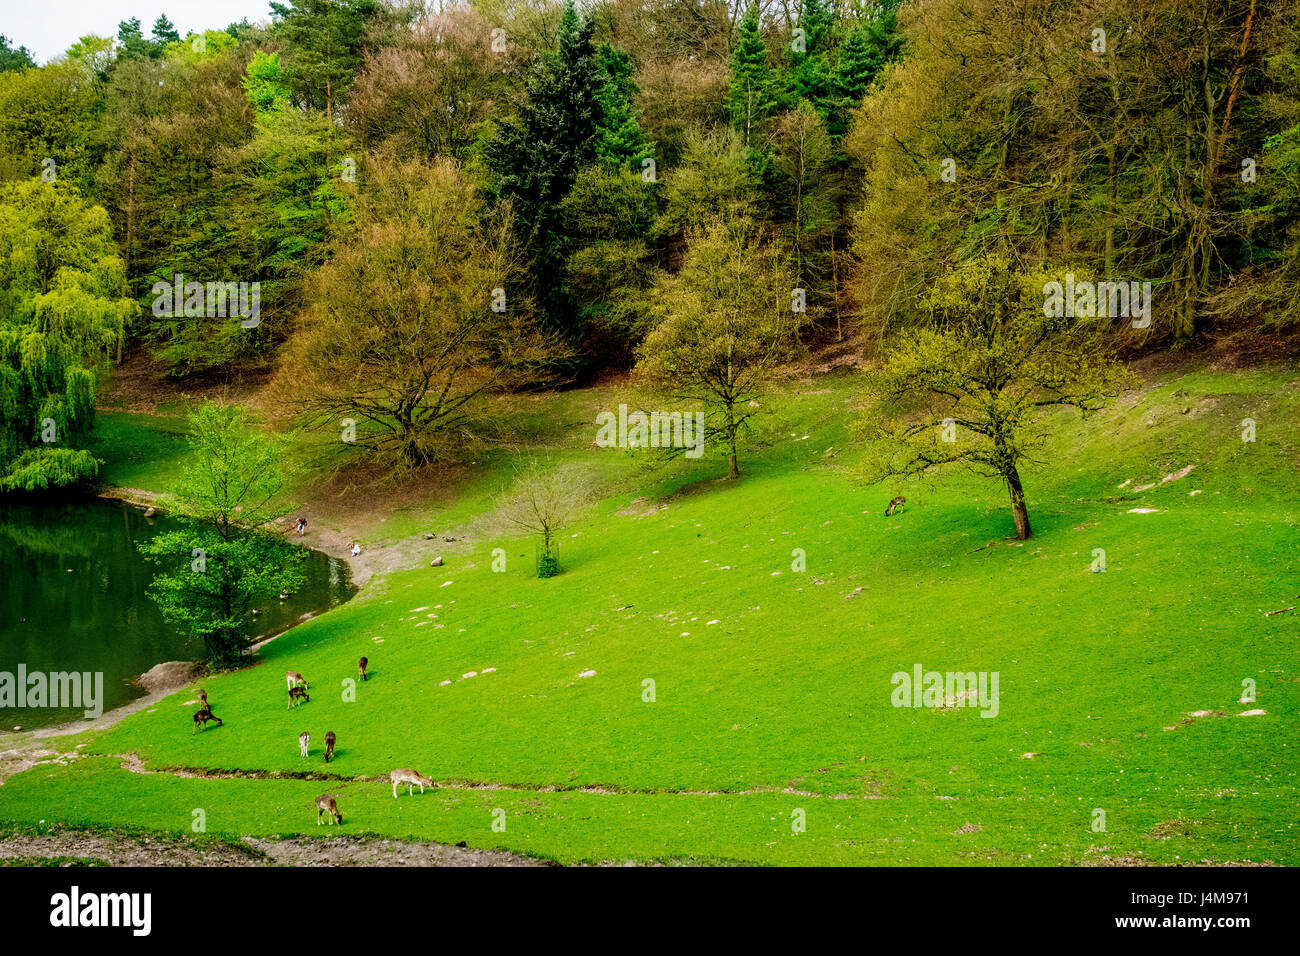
column 144, row 501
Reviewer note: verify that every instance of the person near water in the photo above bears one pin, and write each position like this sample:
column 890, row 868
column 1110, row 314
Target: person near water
column 356, row 549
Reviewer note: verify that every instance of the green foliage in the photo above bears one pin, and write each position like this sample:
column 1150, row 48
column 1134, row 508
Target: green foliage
column 536, row 156
column 62, row 312
column 13, row 58
column 164, row 31
column 970, row 390
column 620, row 141
column 214, row 572
column 727, row 325
column 324, row 43
column 41, row 469
column 45, row 122
column 751, row 93
column 263, row 83
column 610, row 214
column 132, row 44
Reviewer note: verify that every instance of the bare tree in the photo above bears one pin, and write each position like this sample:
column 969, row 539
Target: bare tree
column 542, row 501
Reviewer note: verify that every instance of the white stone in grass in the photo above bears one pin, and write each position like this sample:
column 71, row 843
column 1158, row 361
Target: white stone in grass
column 1254, row 713
column 446, row 583
column 469, row 675
column 489, row 670
column 1142, row 511
column 714, row 621
column 444, row 683
column 587, row 674
column 686, row 633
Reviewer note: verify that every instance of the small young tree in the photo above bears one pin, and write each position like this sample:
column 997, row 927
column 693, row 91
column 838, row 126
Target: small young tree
column 971, row 389
column 730, row 318
column 542, row 501
column 223, row 562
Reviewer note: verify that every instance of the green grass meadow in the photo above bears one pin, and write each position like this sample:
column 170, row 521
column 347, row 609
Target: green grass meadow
column 771, row 685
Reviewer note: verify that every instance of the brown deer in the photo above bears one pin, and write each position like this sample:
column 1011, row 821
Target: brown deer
column 895, row 505
column 202, row 717
column 327, row 805
column 361, row 667
column 411, row 779
column 329, row 746
column 203, row 699
column 293, row 678
column 295, row 694
column 304, row 739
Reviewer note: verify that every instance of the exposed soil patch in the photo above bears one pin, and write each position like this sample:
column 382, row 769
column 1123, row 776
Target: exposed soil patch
column 123, row 849
column 360, row 851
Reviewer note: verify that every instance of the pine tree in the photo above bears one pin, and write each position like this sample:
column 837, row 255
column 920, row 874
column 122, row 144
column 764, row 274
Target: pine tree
column 324, row 42
column 863, row 55
column 164, row 31
column 132, row 42
column 621, row 141
column 13, row 58
column 537, row 155
column 750, row 95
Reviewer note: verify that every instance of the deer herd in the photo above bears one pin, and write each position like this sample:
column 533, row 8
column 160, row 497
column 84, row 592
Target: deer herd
column 327, row 807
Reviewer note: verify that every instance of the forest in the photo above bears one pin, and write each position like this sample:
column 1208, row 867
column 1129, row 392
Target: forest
column 432, row 203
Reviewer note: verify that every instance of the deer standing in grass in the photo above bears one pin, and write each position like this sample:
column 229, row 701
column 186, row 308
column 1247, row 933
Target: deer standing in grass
column 895, row 505
column 411, row 779
column 327, row 805
column 203, row 716
column 361, row 667
column 304, row 739
column 329, row 746
column 203, row 699
column 295, row 694
column 293, row 678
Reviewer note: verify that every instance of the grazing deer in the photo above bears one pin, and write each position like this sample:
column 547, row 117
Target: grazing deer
column 203, row 699
column 361, row 667
column 293, row 678
column 327, row 804
column 895, row 505
column 411, row 779
column 297, row 693
column 304, row 739
column 203, row 716
column 329, row 746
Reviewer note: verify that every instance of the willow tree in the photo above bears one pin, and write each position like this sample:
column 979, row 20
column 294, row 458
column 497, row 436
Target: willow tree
column 62, row 312
column 413, row 318
column 972, row 388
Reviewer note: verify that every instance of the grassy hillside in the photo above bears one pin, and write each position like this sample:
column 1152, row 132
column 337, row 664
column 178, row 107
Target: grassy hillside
column 772, row 687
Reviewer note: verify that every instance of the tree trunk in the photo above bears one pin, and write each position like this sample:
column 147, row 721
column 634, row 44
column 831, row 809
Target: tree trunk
column 1018, row 509
column 732, row 462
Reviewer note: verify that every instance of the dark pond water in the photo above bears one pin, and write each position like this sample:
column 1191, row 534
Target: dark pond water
column 72, row 598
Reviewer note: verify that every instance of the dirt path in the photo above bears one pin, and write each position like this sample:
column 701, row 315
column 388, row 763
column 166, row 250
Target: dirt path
column 122, row 849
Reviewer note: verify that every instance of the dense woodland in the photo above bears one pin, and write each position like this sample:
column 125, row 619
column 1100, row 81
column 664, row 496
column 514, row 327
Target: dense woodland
column 442, row 199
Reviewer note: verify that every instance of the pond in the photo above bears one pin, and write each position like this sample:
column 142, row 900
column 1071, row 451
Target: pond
column 72, row 598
